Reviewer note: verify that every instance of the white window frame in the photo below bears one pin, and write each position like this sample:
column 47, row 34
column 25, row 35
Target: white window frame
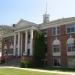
column 71, row 45
column 53, row 49
column 56, row 33
column 70, row 26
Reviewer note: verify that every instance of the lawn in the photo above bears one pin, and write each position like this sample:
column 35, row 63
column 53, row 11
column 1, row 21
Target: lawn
column 11, row 71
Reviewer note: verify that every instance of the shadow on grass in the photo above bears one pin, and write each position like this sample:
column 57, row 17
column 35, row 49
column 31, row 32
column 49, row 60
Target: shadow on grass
column 56, row 69
column 61, row 69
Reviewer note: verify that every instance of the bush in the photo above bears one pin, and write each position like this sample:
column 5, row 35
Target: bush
column 25, row 64
column 2, row 60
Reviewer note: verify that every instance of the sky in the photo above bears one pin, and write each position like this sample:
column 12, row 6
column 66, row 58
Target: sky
column 11, row 11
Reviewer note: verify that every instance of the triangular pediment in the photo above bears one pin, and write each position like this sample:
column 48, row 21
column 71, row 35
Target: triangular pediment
column 24, row 23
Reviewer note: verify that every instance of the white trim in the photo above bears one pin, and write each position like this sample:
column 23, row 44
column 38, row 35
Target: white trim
column 70, row 53
column 70, row 41
column 26, row 29
column 18, row 43
column 9, row 54
column 31, row 42
column 56, row 42
column 0, row 54
column 14, row 44
column 26, row 42
column 8, row 35
column 57, row 54
column 21, row 42
column 58, row 22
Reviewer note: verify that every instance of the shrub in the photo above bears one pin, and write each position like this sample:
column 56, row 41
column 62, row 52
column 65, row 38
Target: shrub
column 24, row 64
column 2, row 60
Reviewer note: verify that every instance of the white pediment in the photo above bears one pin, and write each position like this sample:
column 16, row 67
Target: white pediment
column 24, row 23
column 70, row 40
column 56, row 42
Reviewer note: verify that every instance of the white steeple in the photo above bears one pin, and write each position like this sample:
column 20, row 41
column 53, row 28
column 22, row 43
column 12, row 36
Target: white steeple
column 46, row 16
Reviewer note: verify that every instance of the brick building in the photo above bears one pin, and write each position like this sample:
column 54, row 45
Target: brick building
column 19, row 40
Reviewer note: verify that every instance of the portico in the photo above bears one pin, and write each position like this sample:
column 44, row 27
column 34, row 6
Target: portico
column 28, row 43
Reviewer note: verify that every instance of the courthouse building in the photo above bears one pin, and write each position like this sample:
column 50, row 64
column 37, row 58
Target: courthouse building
column 19, row 40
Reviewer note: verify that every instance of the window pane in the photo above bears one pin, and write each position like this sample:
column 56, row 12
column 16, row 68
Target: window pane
column 68, row 30
column 73, row 48
column 28, row 52
column 69, row 49
column 58, row 30
column 72, row 29
column 56, row 48
column 54, row 31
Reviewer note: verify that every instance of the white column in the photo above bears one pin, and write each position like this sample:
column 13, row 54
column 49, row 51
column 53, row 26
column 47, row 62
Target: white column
column 14, row 44
column 18, row 43
column 31, row 42
column 21, row 42
column 26, row 40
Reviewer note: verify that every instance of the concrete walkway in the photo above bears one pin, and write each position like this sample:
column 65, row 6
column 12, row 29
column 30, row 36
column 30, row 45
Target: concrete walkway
column 39, row 70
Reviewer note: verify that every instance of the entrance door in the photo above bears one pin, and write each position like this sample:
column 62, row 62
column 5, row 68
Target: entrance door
column 56, row 61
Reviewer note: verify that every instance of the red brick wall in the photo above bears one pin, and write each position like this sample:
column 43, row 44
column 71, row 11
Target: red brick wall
column 63, row 40
column 49, row 47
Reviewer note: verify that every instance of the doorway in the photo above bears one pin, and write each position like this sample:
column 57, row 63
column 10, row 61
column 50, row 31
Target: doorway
column 56, row 61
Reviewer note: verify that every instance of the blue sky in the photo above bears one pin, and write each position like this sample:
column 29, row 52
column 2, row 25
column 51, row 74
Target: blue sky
column 11, row 11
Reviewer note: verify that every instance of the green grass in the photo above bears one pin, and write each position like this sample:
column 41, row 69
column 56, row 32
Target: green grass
column 10, row 71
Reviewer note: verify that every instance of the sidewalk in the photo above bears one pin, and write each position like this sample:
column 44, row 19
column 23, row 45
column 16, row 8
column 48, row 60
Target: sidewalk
column 39, row 70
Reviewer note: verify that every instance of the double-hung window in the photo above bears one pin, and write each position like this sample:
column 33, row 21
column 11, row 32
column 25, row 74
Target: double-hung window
column 71, row 47
column 56, row 45
column 55, row 30
column 56, row 48
column 70, row 28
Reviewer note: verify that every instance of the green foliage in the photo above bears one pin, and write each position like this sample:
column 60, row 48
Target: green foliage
column 26, row 63
column 39, row 52
column 2, row 60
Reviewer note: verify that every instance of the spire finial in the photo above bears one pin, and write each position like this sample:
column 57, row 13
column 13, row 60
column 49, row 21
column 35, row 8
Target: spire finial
column 46, row 7
column 46, row 15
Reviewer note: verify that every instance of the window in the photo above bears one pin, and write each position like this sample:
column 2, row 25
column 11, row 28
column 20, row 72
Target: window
column 55, row 31
column 56, row 48
column 56, row 61
column 70, row 45
column 71, row 48
column 56, row 45
column 44, row 32
column 70, row 28
column 28, row 52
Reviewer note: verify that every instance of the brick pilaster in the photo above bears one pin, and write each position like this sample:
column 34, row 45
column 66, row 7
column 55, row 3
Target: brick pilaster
column 49, row 47
column 63, row 39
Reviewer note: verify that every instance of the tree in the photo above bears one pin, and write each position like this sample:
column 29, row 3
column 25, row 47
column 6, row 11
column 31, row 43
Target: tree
column 39, row 52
